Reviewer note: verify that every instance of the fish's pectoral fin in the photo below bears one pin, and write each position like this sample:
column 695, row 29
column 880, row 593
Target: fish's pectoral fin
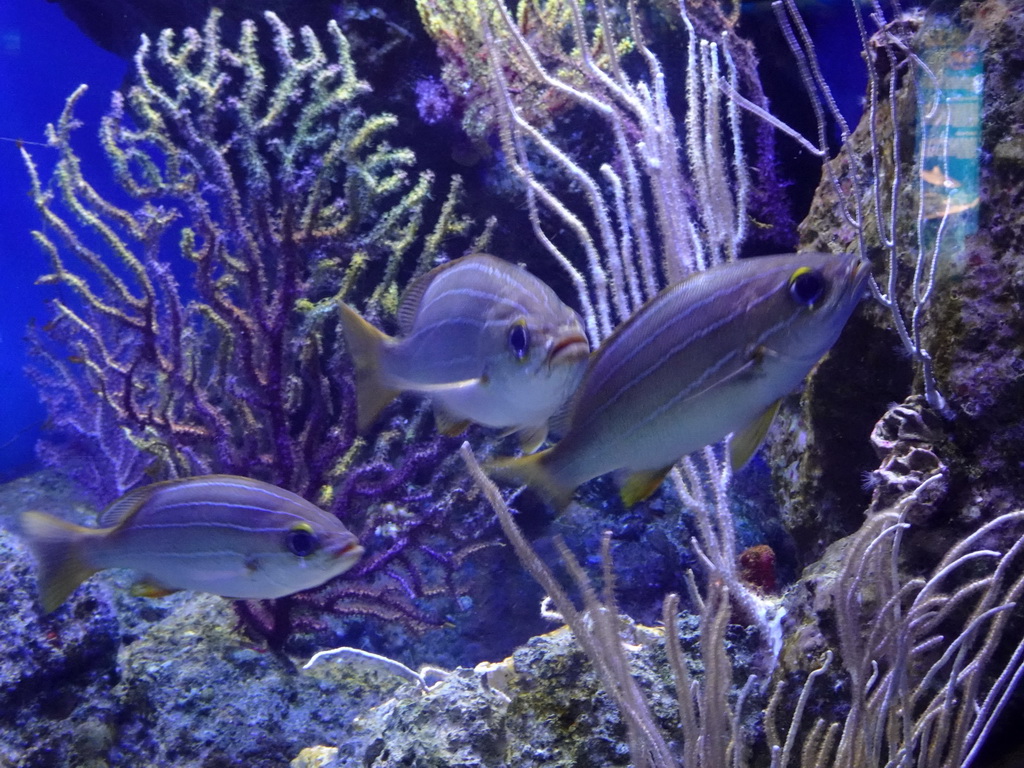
column 749, row 369
column 639, row 485
column 449, row 424
column 444, row 386
column 745, row 442
column 532, row 438
column 59, row 548
column 147, row 588
column 560, row 421
column 364, row 345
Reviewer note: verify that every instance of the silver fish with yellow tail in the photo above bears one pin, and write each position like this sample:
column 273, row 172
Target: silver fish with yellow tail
column 709, row 356
column 228, row 535
column 486, row 340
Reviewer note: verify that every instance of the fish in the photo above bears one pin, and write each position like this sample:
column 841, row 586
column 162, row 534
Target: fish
column 937, row 178
column 232, row 536
column 486, row 340
column 706, row 357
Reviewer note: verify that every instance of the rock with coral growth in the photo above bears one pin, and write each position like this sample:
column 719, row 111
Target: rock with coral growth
column 56, row 672
column 540, row 708
column 202, row 694
column 912, row 476
column 973, row 329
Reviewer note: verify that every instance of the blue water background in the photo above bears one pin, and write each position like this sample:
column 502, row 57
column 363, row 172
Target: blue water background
column 43, row 58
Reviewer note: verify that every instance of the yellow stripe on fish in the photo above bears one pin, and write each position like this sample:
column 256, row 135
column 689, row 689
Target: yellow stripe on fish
column 486, row 340
column 709, row 356
column 232, row 536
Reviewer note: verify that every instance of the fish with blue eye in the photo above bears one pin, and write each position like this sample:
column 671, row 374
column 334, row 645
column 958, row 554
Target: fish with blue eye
column 707, row 357
column 487, row 341
column 228, row 535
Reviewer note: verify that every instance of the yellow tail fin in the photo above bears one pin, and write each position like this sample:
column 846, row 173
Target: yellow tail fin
column 533, row 471
column 58, row 548
column 364, row 345
column 639, row 485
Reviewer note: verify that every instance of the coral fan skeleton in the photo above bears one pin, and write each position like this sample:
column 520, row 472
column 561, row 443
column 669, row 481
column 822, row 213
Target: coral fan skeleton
column 283, row 197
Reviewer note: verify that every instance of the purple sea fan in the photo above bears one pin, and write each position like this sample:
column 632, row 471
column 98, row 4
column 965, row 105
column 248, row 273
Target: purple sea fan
column 195, row 328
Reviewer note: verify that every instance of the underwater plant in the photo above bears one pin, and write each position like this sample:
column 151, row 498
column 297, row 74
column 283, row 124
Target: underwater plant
column 195, row 327
column 926, row 665
column 925, row 646
column 558, row 61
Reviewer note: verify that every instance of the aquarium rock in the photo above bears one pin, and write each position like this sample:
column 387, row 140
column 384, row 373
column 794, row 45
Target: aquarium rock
column 542, row 706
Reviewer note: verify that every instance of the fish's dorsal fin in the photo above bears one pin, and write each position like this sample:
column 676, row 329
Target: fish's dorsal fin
column 413, row 295
column 125, row 507
column 639, row 485
column 745, row 442
column 411, row 299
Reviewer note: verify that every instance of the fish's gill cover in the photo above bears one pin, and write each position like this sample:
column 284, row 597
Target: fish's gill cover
column 194, row 321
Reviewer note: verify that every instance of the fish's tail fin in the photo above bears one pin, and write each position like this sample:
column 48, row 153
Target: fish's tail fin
column 59, row 549
column 364, row 345
column 534, row 472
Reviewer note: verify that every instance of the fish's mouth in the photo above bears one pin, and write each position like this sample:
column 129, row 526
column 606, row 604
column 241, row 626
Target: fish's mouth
column 350, row 551
column 860, row 271
column 571, row 348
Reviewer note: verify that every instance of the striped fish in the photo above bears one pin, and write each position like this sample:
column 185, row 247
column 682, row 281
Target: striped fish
column 486, row 340
column 709, row 356
column 228, row 535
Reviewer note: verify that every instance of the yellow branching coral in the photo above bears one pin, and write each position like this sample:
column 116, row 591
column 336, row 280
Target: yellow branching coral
column 266, row 187
column 460, row 29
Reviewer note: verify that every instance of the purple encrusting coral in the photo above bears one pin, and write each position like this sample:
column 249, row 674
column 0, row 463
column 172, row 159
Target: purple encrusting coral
column 433, row 100
column 197, row 329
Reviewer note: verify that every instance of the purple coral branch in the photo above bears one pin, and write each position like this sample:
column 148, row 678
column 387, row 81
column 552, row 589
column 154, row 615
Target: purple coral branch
column 219, row 376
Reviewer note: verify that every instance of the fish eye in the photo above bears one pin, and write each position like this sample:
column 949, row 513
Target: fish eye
column 519, row 339
column 301, row 540
column 806, row 286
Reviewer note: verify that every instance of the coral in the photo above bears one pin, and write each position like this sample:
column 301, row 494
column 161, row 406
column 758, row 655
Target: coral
column 541, row 707
column 117, row 24
column 541, row 65
column 757, row 568
column 235, row 378
column 433, row 102
column 908, row 441
column 460, row 28
column 974, row 329
column 194, row 692
column 196, row 330
column 56, row 672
